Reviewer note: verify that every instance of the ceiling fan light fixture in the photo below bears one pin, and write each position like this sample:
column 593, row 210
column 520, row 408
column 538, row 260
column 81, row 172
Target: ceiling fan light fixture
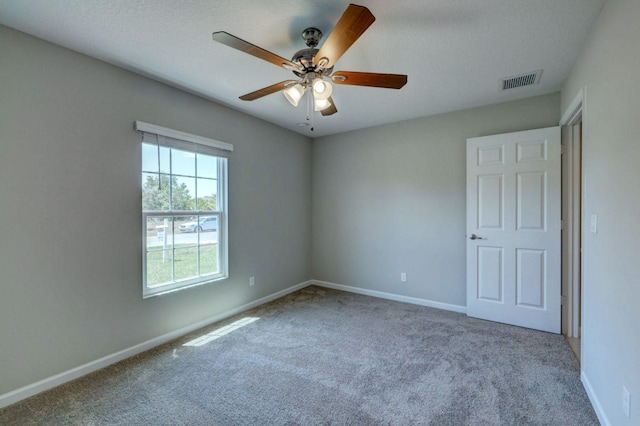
column 294, row 94
column 321, row 104
column 321, row 89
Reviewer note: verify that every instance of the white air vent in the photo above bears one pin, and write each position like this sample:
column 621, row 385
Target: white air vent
column 527, row 79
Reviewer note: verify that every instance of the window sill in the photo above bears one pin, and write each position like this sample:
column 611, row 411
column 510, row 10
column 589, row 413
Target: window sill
column 160, row 292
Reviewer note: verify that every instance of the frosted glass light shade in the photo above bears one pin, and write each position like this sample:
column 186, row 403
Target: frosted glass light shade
column 321, row 104
column 321, row 89
column 294, row 94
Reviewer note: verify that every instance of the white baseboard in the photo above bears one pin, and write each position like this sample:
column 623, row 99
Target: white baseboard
column 66, row 376
column 595, row 402
column 391, row 296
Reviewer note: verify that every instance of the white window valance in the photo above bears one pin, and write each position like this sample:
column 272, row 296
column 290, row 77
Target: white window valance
column 177, row 139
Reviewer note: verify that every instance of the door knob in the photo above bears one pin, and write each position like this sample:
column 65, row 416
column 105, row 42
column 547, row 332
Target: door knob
column 475, row 237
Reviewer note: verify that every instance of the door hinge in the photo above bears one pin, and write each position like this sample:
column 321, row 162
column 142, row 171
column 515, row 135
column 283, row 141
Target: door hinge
column 563, row 225
column 563, row 149
column 563, row 300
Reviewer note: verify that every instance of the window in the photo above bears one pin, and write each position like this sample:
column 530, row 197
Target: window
column 184, row 209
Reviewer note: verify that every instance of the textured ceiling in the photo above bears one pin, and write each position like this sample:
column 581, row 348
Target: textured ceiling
column 454, row 51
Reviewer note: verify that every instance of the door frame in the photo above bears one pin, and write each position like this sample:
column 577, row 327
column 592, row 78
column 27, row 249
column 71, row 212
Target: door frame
column 572, row 201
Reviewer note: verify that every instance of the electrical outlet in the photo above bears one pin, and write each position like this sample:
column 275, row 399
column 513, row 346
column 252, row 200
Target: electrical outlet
column 252, row 281
column 626, row 401
column 403, row 277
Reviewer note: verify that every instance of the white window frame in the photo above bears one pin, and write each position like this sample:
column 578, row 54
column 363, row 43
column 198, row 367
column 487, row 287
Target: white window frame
column 177, row 141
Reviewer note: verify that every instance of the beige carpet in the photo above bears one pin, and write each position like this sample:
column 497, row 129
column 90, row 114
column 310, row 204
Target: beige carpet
column 322, row 356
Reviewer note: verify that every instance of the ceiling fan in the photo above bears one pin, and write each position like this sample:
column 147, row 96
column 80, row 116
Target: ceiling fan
column 314, row 67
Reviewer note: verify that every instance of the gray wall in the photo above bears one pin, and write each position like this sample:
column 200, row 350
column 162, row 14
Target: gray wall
column 608, row 68
column 392, row 199
column 70, row 222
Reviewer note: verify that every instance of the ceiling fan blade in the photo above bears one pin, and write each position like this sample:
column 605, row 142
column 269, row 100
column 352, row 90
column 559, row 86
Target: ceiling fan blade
column 267, row 90
column 354, row 21
column 246, row 47
column 388, row 81
column 331, row 109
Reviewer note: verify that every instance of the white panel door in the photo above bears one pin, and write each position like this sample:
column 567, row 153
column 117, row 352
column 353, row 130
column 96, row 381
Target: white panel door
column 513, row 225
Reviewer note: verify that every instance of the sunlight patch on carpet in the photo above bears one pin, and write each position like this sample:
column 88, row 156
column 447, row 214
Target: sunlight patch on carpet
column 209, row 337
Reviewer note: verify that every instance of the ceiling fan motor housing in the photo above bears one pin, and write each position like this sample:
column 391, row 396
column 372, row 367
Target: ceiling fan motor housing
column 304, row 58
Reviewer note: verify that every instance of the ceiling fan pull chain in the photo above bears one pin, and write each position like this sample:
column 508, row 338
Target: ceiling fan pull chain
column 312, row 121
column 310, row 108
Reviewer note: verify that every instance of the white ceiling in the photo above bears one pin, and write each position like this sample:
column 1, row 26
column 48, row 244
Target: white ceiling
column 454, row 51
